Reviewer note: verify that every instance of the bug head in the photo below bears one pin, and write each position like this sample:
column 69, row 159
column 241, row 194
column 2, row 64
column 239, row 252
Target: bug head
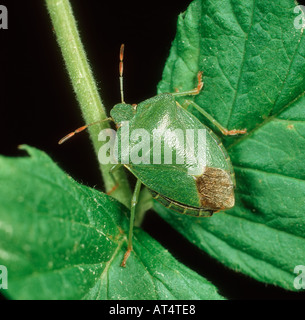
column 122, row 112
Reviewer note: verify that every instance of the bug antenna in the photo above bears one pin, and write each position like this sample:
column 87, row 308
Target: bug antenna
column 80, row 129
column 121, row 72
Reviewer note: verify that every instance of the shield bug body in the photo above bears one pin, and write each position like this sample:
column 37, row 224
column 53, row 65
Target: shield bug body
column 189, row 186
column 200, row 194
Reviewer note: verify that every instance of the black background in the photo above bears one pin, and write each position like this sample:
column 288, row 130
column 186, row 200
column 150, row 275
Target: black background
column 38, row 105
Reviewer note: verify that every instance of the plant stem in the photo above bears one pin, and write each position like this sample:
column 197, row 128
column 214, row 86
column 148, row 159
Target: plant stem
column 85, row 88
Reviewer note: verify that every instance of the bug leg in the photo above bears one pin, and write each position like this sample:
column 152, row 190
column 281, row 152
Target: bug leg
column 112, row 169
column 112, row 189
column 134, row 201
column 193, row 91
column 80, row 129
column 223, row 130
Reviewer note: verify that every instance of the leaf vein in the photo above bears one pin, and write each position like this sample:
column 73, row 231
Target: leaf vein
column 269, row 172
column 242, row 65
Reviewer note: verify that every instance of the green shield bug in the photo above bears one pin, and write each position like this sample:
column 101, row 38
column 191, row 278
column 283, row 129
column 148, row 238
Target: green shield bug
column 189, row 185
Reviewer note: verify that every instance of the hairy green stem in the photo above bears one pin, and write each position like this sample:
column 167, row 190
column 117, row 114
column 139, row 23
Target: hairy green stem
column 85, row 89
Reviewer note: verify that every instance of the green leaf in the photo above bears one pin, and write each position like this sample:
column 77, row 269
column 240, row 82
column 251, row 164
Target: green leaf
column 63, row 240
column 253, row 60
